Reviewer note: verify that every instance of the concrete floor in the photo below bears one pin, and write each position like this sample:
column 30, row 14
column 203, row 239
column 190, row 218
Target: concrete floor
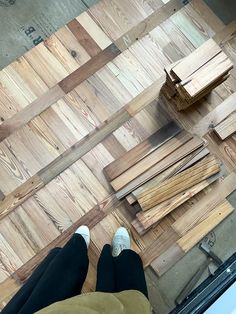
column 16, row 16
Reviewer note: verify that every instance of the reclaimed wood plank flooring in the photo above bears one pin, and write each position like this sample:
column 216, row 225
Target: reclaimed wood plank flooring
column 64, row 118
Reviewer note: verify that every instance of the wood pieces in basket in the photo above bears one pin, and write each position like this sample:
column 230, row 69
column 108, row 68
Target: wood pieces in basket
column 193, row 77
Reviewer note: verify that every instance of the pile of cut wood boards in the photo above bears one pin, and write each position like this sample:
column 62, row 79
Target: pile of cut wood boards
column 161, row 173
column 191, row 78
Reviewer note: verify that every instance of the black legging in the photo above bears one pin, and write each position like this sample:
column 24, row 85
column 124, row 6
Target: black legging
column 62, row 273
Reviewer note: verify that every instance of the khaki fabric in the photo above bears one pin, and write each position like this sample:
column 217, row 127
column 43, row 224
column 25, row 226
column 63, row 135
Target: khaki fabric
column 125, row 302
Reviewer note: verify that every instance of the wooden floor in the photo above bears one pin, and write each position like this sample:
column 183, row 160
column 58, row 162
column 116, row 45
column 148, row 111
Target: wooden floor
column 78, row 101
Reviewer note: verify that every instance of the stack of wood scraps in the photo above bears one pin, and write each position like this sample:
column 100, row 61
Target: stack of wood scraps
column 193, row 77
column 161, row 173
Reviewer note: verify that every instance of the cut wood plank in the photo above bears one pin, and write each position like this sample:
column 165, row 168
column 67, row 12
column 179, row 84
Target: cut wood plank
column 188, row 220
column 182, row 181
column 84, row 38
column 200, row 80
column 215, row 116
column 92, row 28
column 141, row 150
column 195, row 60
column 79, row 149
column 158, row 246
column 200, row 154
column 89, row 68
column 155, row 214
column 31, row 111
column 189, row 158
column 150, row 160
column 217, row 215
column 178, row 158
column 20, row 194
column 167, row 259
column 227, row 127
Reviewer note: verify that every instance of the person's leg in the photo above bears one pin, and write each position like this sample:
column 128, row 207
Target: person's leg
column 17, row 302
column 129, row 272
column 63, row 278
column 105, row 271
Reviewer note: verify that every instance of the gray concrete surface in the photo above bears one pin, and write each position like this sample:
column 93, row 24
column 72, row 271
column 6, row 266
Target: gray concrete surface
column 18, row 17
column 225, row 9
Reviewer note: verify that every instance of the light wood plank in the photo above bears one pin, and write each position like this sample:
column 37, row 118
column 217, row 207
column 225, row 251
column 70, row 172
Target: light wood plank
column 94, row 30
column 168, row 166
column 144, row 27
column 227, row 127
column 141, row 150
column 216, row 216
column 215, row 116
column 195, row 60
column 29, row 112
column 153, row 215
column 182, row 181
column 84, row 38
column 149, row 161
column 167, row 259
column 188, row 220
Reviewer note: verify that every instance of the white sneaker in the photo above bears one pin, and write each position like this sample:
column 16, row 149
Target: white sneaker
column 84, row 231
column 120, row 242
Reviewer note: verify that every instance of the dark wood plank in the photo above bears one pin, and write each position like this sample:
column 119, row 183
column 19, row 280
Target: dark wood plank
column 84, row 38
column 141, row 150
column 89, row 68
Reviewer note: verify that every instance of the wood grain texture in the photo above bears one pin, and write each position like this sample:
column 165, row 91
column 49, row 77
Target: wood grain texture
column 141, row 150
column 184, row 180
column 196, row 60
column 149, row 161
column 70, row 196
column 215, row 116
column 227, row 127
column 20, row 194
column 29, row 112
column 188, row 220
column 93, row 217
column 167, row 259
column 78, row 150
column 84, row 38
column 153, row 215
column 158, row 246
column 217, row 215
column 181, row 158
column 144, row 27
column 89, row 68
